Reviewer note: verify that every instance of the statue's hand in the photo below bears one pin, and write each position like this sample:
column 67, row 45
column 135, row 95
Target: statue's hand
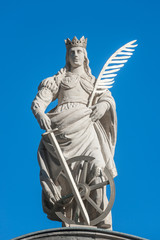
column 99, row 110
column 43, row 120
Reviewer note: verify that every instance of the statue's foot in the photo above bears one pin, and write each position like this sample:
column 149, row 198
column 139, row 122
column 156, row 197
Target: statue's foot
column 105, row 226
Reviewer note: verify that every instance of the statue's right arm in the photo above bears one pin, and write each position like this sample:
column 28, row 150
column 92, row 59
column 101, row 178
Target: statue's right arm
column 47, row 92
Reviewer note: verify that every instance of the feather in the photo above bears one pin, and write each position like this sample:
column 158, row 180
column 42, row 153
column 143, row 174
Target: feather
column 113, row 65
column 112, row 71
column 125, row 53
column 122, row 57
column 106, row 80
column 109, row 75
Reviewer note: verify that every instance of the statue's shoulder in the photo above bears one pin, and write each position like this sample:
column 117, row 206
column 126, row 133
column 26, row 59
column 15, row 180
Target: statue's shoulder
column 53, row 82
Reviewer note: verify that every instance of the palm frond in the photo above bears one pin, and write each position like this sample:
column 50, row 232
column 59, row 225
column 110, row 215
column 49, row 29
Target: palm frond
column 106, row 77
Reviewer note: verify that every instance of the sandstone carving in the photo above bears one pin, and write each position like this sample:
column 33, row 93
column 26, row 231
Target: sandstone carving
column 76, row 153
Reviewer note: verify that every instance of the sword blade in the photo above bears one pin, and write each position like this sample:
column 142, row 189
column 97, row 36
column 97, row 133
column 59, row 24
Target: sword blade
column 69, row 176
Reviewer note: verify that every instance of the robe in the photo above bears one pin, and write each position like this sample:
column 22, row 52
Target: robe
column 77, row 135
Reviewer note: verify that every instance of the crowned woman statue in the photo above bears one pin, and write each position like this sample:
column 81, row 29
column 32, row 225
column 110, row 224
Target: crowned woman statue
column 79, row 130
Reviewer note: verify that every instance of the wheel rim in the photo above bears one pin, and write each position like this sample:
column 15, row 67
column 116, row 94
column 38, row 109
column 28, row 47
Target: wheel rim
column 85, row 192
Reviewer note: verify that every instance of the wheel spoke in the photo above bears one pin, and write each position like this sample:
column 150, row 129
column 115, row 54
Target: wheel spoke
column 84, row 172
column 99, row 185
column 76, row 215
column 94, row 205
column 62, row 173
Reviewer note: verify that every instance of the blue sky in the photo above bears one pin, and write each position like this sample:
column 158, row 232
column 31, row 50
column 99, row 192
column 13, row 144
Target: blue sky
column 31, row 49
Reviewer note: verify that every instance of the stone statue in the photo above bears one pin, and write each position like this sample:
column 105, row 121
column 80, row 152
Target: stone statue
column 84, row 129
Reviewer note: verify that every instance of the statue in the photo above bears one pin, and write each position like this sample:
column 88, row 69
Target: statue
column 76, row 152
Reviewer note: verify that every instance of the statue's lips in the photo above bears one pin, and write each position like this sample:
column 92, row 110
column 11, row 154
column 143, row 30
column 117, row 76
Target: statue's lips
column 76, row 60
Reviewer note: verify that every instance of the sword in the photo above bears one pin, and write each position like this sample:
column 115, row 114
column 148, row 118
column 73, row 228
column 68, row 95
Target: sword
column 68, row 174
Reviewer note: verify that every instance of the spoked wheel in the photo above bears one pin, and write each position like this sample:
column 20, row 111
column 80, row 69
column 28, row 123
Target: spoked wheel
column 85, row 192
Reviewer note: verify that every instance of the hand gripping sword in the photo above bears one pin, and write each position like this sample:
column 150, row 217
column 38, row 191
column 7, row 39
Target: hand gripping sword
column 68, row 174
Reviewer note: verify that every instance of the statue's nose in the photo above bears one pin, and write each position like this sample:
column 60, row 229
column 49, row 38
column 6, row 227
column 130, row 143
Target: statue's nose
column 75, row 54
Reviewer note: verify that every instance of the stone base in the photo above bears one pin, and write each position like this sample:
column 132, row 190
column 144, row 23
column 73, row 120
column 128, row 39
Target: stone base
column 77, row 233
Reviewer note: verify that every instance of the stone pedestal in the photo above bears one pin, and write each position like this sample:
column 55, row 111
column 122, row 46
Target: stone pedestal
column 77, row 233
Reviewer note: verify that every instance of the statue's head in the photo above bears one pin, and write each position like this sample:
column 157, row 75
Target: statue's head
column 76, row 54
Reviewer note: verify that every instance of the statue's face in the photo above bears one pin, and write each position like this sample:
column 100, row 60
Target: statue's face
column 76, row 56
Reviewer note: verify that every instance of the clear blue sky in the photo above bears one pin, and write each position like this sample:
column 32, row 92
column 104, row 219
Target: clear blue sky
column 31, row 49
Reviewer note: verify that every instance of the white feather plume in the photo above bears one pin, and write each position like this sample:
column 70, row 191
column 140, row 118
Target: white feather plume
column 106, row 77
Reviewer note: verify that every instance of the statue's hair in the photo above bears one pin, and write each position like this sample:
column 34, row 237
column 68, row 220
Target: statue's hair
column 68, row 65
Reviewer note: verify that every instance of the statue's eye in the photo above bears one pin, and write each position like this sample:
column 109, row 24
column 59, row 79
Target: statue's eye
column 79, row 51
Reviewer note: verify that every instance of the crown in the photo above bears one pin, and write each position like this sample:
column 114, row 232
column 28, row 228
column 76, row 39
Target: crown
column 82, row 42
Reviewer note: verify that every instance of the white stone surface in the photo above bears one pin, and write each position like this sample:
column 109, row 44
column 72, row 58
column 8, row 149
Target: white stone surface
column 83, row 124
